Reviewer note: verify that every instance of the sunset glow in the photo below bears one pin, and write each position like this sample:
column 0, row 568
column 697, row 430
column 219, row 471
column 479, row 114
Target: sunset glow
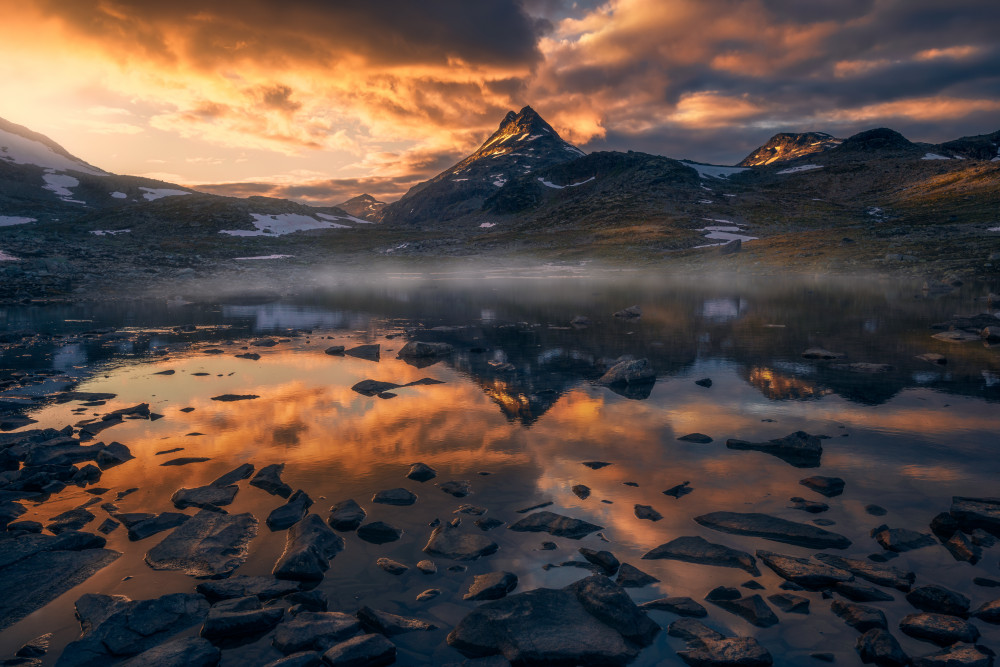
column 323, row 101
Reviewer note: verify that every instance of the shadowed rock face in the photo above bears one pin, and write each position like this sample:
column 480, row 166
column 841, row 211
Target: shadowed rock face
column 590, row 622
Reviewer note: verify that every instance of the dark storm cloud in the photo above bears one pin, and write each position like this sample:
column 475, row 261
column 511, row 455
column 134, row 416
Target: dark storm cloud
column 388, row 32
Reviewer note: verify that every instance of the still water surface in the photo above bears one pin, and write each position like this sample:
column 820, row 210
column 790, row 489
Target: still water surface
column 518, row 401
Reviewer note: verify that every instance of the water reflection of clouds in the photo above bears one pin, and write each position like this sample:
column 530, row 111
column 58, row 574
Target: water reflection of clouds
column 68, row 356
column 271, row 316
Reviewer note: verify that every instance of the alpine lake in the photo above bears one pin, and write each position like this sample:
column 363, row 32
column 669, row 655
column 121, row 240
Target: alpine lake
column 696, row 415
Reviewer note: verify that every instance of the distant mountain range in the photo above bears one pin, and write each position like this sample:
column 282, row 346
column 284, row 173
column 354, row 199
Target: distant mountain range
column 527, row 188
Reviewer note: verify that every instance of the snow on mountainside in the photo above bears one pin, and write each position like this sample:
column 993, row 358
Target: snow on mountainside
column 522, row 144
column 19, row 145
column 788, row 146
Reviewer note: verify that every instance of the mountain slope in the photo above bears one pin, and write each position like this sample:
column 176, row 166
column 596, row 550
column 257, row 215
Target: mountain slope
column 787, row 146
column 523, row 143
column 363, row 206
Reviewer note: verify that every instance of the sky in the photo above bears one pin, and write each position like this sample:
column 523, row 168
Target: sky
column 321, row 100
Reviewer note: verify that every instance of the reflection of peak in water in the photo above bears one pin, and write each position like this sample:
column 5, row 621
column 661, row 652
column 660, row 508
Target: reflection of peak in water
column 777, row 386
column 518, row 403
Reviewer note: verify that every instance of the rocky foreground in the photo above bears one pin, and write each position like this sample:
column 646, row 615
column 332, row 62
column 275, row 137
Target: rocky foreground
column 591, row 621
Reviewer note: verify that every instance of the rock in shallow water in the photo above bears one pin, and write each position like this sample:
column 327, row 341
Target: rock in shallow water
column 451, row 542
column 184, row 652
column 681, row 606
column 956, row 656
column 696, row 549
column 860, row 617
column 291, row 512
column 773, row 528
column 491, row 586
column 939, row 629
column 263, row 588
column 879, row 647
column 939, row 599
column 379, row 532
column 309, row 547
column 362, row 651
column 708, row 648
column 752, row 609
column 635, row 371
column 585, row 623
column 398, row 496
column 391, row 624
column 421, row 472
column 877, row 574
column 803, row 571
column 346, row 515
column 116, row 628
column 314, row 631
column 555, row 524
column 208, row 545
column 798, row 449
column 900, row 540
column 827, row 486
column 268, row 478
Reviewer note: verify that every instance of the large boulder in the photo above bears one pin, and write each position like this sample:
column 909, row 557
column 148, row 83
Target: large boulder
column 634, row 371
column 448, row 541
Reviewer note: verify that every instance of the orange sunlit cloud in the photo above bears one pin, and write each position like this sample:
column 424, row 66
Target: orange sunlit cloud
column 317, row 102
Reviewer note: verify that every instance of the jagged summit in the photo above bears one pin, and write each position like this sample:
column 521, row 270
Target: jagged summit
column 788, row 146
column 523, row 143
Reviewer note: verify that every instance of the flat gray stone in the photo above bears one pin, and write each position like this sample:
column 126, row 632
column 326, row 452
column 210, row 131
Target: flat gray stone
column 695, row 549
column 773, row 528
column 804, row 572
column 314, row 631
column 451, row 542
column 882, row 575
column 391, row 625
column 554, row 524
column 209, row 545
column 361, row 651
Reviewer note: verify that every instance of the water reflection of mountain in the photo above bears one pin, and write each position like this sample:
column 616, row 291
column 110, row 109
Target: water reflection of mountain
column 514, row 340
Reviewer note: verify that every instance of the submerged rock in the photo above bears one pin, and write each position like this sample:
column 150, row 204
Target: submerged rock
column 391, row 566
column 451, row 542
column 989, row 612
column 699, row 438
column 142, row 525
column 346, row 515
column 416, row 349
column 366, row 352
column 798, row 449
column 398, row 496
column 957, row 656
column 973, row 513
column 240, row 620
column 773, row 528
column 309, row 546
column 859, row 593
column 790, row 604
column 457, row 488
column 208, row 545
column 696, row 549
column 379, row 532
column 204, row 496
column 605, row 560
column 374, row 387
column 554, row 524
column 116, row 627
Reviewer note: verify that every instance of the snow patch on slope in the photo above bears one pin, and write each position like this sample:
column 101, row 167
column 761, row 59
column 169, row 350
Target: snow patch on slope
column 10, row 220
column 805, row 167
column 4, row 257
column 152, row 194
column 334, row 218
column 16, row 149
column 119, row 195
column 550, row 184
column 713, row 170
column 935, row 156
column 282, row 223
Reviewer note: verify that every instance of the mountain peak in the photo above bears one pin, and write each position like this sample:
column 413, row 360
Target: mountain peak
column 363, row 206
column 786, row 146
